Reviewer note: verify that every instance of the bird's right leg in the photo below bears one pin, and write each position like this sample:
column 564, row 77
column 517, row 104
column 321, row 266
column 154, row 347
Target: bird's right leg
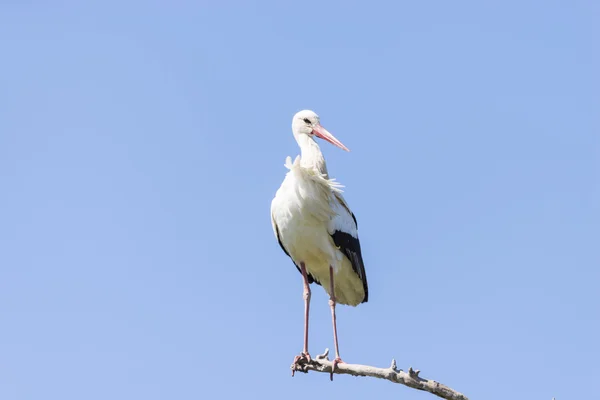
column 306, row 296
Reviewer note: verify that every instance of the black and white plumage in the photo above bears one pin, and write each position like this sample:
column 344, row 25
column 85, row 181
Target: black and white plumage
column 314, row 224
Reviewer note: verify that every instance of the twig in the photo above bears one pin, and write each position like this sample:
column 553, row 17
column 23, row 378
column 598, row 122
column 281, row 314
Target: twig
column 411, row 378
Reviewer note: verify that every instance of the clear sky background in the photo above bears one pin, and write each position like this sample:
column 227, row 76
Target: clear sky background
column 141, row 144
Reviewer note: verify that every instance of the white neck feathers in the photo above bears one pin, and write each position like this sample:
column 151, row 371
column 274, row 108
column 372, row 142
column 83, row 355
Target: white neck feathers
column 312, row 158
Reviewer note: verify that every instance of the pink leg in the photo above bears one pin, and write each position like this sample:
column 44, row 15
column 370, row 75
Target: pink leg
column 337, row 359
column 306, row 296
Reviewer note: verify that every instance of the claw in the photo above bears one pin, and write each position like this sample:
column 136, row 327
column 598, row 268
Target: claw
column 335, row 362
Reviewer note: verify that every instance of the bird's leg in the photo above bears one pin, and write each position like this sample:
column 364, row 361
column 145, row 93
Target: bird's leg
column 337, row 359
column 306, row 296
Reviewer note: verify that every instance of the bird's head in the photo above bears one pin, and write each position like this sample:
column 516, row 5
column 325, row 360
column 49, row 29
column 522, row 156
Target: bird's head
column 306, row 122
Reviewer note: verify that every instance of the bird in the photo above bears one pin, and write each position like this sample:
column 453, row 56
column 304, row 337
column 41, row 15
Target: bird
column 316, row 228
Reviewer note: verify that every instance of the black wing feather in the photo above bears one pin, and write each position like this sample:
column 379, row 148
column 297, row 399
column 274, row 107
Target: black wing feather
column 311, row 279
column 350, row 246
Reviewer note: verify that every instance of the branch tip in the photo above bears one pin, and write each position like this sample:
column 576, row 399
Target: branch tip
column 324, row 355
column 412, row 373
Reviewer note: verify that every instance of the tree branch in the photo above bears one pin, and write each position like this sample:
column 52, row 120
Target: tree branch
column 411, row 378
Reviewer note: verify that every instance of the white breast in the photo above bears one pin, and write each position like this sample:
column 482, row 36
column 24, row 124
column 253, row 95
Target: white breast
column 302, row 213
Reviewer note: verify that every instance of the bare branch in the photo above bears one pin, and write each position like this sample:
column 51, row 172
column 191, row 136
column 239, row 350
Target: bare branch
column 411, row 378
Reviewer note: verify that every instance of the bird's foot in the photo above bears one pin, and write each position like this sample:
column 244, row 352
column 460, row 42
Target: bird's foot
column 303, row 357
column 335, row 362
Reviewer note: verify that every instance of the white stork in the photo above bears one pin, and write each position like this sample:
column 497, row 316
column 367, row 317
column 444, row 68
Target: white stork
column 315, row 226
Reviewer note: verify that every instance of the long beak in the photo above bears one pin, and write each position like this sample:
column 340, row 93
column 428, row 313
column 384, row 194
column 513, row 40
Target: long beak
column 325, row 135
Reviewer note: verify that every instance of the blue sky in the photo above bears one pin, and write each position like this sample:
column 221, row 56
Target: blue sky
column 141, row 144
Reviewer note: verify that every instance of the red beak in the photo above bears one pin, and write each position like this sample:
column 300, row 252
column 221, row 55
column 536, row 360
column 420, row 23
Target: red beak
column 324, row 134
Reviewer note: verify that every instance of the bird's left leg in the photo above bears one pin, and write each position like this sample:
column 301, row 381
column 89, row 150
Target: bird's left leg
column 337, row 359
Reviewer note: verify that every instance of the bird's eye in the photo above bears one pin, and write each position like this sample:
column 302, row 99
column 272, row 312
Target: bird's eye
column 307, row 120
